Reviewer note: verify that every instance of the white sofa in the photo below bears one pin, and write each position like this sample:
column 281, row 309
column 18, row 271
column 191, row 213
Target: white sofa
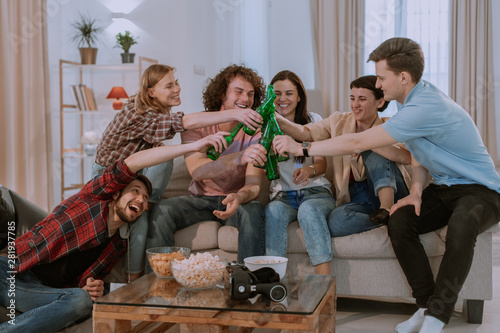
column 364, row 264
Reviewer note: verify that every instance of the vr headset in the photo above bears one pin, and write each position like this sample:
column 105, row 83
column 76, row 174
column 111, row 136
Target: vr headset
column 245, row 284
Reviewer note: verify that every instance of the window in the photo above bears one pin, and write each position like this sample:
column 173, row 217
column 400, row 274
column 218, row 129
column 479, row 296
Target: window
column 425, row 21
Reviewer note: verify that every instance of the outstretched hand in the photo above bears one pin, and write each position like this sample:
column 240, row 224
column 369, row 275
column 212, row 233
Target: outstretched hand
column 95, row 288
column 283, row 144
column 410, row 200
column 232, row 202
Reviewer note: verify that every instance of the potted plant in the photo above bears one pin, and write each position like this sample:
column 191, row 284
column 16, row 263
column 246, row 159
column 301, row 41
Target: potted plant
column 87, row 33
column 125, row 41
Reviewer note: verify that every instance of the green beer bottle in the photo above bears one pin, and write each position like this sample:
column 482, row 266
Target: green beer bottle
column 277, row 131
column 271, row 165
column 214, row 154
column 266, row 141
column 265, row 109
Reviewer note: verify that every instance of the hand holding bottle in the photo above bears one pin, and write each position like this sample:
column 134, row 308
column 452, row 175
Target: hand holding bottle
column 283, row 144
column 213, row 153
column 250, row 118
column 217, row 140
column 254, row 154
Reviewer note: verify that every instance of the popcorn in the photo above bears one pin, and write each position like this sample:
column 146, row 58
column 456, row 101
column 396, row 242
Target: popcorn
column 201, row 270
column 264, row 261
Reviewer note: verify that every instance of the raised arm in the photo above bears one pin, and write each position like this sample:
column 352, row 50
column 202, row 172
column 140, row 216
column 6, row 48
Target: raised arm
column 154, row 156
column 345, row 144
column 203, row 119
column 296, row 131
column 395, row 153
column 201, row 167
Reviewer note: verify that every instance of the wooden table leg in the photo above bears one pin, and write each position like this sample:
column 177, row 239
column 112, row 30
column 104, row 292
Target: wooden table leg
column 196, row 328
column 104, row 325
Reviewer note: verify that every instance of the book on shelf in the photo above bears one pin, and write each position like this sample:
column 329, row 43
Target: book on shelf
column 84, row 97
column 72, row 89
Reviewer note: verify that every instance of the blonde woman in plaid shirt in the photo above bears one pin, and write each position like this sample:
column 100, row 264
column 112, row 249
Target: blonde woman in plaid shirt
column 144, row 122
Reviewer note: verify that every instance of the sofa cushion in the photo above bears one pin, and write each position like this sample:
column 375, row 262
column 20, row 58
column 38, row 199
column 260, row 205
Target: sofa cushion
column 198, row 237
column 228, row 238
column 374, row 243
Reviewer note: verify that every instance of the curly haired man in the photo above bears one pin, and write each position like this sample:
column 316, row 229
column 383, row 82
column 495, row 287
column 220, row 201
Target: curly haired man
column 223, row 190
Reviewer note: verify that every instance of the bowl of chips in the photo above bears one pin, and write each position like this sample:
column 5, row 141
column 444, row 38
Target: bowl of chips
column 159, row 259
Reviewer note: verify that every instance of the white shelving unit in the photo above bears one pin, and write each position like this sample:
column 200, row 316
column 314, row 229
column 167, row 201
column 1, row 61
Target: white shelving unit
column 72, row 157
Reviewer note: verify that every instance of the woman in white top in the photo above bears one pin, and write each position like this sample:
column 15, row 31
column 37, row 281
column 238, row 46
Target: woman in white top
column 301, row 193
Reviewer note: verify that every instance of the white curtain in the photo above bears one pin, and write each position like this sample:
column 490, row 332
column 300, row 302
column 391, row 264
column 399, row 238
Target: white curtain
column 339, row 41
column 471, row 66
column 25, row 146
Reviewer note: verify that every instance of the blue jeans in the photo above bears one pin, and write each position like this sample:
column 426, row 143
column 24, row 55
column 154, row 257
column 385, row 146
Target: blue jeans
column 176, row 213
column 158, row 175
column 310, row 207
column 45, row 309
column 354, row 217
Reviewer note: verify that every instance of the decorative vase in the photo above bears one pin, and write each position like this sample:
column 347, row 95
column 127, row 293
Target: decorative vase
column 89, row 149
column 88, row 55
column 127, row 58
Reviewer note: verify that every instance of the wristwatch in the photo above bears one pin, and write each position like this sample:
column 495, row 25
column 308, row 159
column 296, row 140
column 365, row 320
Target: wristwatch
column 305, row 148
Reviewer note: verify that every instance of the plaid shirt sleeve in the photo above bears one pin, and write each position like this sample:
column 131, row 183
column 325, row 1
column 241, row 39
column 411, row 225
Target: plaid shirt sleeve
column 78, row 223
column 163, row 126
column 131, row 131
column 108, row 258
column 113, row 179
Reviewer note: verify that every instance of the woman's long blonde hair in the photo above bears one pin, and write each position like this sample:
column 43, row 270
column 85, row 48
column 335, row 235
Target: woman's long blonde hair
column 152, row 75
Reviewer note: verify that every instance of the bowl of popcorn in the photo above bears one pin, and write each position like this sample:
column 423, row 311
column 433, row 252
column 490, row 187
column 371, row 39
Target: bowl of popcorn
column 199, row 271
column 276, row 263
column 159, row 259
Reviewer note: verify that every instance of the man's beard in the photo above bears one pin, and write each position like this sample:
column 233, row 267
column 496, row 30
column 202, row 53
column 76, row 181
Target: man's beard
column 121, row 212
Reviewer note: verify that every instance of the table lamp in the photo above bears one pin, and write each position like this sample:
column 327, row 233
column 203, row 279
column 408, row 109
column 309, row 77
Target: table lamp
column 117, row 92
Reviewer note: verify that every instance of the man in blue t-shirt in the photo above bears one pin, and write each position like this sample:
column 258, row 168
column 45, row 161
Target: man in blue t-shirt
column 464, row 193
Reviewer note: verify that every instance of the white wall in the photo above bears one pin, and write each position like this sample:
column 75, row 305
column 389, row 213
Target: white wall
column 290, row 40
column 496, row 57
column 178, row 33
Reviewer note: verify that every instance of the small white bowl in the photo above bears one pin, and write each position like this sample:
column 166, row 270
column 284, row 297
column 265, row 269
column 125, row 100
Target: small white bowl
column 276, row 263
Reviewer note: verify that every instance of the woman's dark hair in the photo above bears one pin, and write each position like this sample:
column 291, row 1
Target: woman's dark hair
column 368, row 82
column 302, row 116
column 216, row 88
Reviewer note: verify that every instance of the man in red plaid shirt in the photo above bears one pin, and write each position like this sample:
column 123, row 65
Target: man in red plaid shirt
column 79, row 243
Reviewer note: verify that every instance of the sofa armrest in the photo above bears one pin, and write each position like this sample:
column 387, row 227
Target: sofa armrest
column 495, row 228
column 27, row 213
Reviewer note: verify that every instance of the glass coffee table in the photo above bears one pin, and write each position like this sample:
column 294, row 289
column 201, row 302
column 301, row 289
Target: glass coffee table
column 309, row 307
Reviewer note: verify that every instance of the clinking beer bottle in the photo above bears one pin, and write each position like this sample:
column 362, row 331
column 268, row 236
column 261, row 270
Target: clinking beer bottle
column 277, row 131
column 265, row 109
column 271, row 165
column 214, row 154
column 266, row 141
